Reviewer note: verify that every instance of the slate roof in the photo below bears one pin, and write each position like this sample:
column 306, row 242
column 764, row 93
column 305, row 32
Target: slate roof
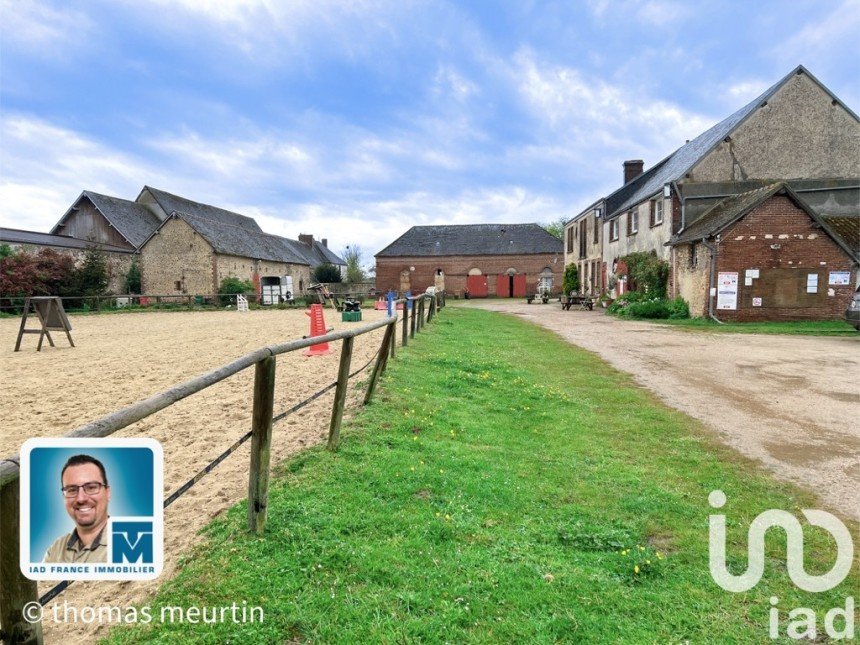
column 319, row 254
column 18, row 236
column 239, row 240
column 848, row 228
column 135, row 222
column 473, row 239
column 731, row 209
column 170, row 203
column 676, row 165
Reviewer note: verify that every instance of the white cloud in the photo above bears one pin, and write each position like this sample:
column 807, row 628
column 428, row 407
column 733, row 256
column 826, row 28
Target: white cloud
column 42, row 30
column 45, row 167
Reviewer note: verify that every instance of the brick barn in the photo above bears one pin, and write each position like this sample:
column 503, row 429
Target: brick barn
column 768, row 256
column 504, row 260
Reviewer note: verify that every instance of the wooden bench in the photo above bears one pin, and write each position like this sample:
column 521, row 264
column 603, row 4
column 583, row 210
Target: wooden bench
column 584, row 302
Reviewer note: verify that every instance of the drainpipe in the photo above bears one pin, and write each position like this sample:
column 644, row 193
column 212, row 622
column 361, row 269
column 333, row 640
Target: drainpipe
column 713, row 279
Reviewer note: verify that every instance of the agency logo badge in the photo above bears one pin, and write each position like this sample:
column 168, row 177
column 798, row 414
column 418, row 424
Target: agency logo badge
column 91, row 509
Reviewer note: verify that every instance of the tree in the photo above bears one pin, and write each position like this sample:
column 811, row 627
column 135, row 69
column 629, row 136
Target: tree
column 647, row 273
column 326, row 273
column 354, row 272
column 91, row 278
column 46, row 273
column 570, row 282
column 556, row 228
column 132, row 278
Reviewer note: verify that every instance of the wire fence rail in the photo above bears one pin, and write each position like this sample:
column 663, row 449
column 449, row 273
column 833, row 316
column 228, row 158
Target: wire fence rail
column 16, row 591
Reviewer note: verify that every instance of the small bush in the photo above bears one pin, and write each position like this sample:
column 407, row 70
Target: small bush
column 231, row 287
column 649, row 309
column 678, row 308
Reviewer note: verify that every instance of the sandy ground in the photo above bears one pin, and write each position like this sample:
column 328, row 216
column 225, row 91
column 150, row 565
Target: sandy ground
column 121, row 359
column 789, row 402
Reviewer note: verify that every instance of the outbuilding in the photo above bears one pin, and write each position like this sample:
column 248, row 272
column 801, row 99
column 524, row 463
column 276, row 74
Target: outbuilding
column 503, row 260
column 764, row 255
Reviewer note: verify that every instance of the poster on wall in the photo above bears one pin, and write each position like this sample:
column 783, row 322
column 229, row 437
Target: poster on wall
column 727, row 291
column 756, row 302
column 812, row 283
column 839, row 278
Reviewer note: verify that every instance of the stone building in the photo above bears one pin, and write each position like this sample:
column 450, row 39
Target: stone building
column 796, row 130
column 505, row 260
column 768, row 256
column 187, row 247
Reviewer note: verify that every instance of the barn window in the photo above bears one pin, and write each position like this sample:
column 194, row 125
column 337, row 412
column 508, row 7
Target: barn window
column 694, row 255
column 178, row 285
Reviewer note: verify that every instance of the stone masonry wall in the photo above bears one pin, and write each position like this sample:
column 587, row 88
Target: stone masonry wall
column 177, row 254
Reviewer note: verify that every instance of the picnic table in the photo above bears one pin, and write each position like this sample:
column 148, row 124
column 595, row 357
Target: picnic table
column 585, row 302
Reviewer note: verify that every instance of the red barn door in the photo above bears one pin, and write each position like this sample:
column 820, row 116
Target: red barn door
column 477, row 286
column 520, row 285
column 503, row 285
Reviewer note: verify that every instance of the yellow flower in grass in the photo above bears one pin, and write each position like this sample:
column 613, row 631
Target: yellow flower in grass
column 636, row 569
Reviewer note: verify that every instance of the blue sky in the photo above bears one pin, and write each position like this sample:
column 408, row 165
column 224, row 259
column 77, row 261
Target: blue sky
column 354, row 120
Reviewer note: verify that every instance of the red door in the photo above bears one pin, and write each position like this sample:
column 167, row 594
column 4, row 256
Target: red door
column 477, row 286
column 503, row 285
column 520, row 285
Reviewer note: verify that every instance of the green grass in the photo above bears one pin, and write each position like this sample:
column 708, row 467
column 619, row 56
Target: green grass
column 804, row 328
column 501, row 488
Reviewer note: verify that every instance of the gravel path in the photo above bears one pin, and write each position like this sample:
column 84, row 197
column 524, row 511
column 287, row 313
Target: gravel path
column 789, row 402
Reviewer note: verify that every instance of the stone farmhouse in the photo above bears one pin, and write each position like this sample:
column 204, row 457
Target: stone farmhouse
column 796, row 131
column 504, row 260
column 187, row 247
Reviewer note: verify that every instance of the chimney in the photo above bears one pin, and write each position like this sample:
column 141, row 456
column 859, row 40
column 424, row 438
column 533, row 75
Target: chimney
column 325, row 242
column 632, row 169
column 306, row 239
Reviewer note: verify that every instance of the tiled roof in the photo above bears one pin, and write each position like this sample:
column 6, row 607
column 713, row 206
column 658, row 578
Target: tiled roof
column 240, row 240
column 17, row 236
column 473, row 239
column 734, row 208
column 134, row 221
column 170, row 203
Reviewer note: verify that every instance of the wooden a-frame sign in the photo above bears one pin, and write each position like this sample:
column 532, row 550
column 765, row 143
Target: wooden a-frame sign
column 51, row 314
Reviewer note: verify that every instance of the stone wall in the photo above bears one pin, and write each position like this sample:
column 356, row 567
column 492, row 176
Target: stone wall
column 177, row 260
column 800, row 133
column 421, row 271
column 245, row 268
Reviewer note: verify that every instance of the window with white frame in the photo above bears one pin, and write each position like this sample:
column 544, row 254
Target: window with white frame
column 633, row 222
column 613, row 230
column 657, row 211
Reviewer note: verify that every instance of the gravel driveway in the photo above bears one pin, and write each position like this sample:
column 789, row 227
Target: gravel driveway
column 789, row 402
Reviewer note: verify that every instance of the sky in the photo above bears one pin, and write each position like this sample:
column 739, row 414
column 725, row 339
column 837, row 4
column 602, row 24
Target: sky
column 353, row 120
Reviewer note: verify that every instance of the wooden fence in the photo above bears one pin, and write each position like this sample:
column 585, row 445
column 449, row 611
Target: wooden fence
column 16, row 591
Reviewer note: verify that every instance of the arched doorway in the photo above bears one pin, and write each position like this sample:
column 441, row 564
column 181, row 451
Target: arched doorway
column 476, row 284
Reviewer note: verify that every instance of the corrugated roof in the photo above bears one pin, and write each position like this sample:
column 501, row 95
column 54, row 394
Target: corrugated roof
column 676, row 165
column 170, row 203
column 473, row 239
column 135, row 222
column 17, row 236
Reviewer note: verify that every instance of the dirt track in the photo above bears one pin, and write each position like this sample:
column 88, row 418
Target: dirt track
column 789, row 402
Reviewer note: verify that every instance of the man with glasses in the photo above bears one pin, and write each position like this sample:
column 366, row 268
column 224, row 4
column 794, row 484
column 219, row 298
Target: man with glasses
column 86, row 493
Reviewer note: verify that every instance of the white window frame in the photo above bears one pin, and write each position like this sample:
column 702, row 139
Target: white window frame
column 658, row 211
column 613, row 230
column 634, row 221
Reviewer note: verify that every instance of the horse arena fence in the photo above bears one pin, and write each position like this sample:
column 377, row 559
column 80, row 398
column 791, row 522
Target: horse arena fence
column 16, row 591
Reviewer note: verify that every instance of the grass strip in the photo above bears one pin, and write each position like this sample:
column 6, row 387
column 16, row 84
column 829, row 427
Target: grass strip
column 503, row 487
column 800, row 328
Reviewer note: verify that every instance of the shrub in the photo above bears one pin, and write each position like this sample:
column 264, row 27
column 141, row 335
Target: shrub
column 132, row 278
column 648, row 309
column 571, row 279
column 230, row 287
column 678, row 308
column 648, row 273
column 326, row 273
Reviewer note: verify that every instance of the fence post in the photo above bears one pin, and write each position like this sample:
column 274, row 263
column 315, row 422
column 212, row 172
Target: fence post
column 15, row 590
column 340, row 393
column 412, row 319
column 393, row 342
column 381, row 360
column 261, row 443
column 432, row 310
column 405, row 324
